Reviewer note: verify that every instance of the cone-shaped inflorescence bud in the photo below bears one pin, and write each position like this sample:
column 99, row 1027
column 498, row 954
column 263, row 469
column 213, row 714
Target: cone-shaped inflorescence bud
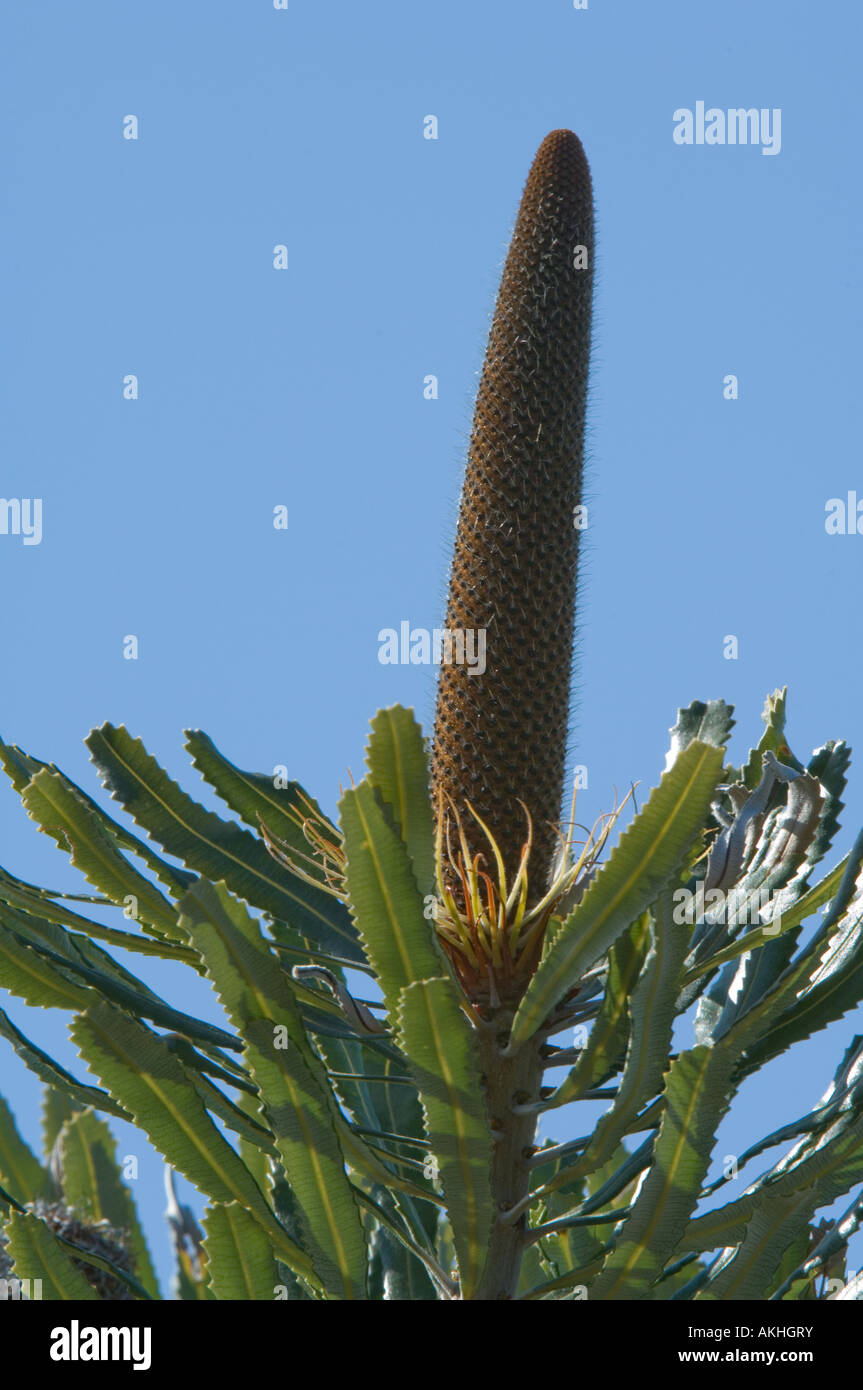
column 500, row 737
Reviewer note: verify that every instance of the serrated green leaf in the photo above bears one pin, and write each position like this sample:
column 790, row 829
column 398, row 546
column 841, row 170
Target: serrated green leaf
column 300, row 1118
column 92, row 1185
column 37, row 1254
column 640, row 865
column 606, row 1047
column 772, row 740
column 75, row 954
column 42, row 907
column 709, row 722
column 251, row 795
column 217, row 849
column 138, row 1066
column 749, row 1271
column 244, row 1126
column 830, row 765
column 57, row 1077
column 822, row 984
column 297, row 1101
column 66, row 818
column 50, row 911
column 27, row 974
column 835, row 987
column 237, row 957
column 28, row 898
column 696, row 1093
column 252, row 1152
column 20, row 768
column 20, row 1170
column 259, row 802
column 816, row 1171
column 385, row 901
column 57, row 1107
column 441, row 1050
column 240, row 1261
column 139, row 1001
column 783, row 1201
column 398, row 767
column 653, row 1012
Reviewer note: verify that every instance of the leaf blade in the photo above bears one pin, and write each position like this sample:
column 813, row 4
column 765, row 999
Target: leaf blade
column 240, row 1261
column 20, row 1169
column 641, row 863
column 297, row 1101
column 38, row 1255
column 385, row 901
column 93, row 1186
column 215, row 848
column 135, row 1064
column 442, row 1055
column 398, row 767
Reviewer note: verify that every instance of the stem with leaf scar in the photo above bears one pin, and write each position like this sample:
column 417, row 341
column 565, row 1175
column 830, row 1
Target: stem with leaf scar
column 512, row 1085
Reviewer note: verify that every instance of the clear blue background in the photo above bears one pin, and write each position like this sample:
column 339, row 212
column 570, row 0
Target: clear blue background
column 304, row 388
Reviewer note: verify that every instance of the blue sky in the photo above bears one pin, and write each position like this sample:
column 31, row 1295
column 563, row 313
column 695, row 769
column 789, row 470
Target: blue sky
column 303, row 387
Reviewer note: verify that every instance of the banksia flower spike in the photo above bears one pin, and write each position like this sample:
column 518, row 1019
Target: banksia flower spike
column 387, row 1147
column 500, row 737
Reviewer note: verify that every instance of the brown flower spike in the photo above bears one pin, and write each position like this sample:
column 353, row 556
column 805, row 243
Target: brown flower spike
column 500, row 737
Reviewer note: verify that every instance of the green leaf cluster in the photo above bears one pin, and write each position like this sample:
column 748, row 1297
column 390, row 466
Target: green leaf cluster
column 345, row 1145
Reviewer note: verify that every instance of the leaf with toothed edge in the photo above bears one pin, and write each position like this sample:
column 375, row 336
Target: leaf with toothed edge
column 605, row 1049
column 697, row 1092
column 258, row 802
column 93, row 1187
column 37, row 1254
column 137, row 1066
column 216, row 848
column 385, row 901
column 55, row 1076
column 640, row 865
column 70, row 822
column 398, row 768
column 296, row 1098
column 20, row 768
column 20, row 1169
column 240, row 1261
column 442, row 1053
column 652, row 1009
column 709, row 723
